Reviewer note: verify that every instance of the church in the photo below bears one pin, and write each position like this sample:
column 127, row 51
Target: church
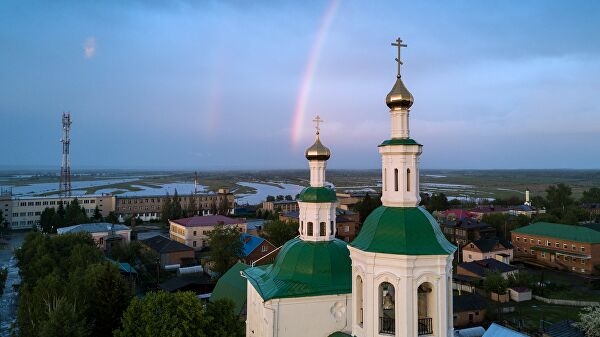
column 394, row 279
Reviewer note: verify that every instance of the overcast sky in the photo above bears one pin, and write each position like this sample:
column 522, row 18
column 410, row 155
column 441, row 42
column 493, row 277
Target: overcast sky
column 235, row 84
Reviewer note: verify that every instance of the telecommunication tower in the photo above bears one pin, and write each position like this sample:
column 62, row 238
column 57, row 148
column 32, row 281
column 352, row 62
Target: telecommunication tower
column 65, row 168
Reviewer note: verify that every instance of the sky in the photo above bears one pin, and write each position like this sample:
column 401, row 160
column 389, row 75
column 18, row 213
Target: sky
column 204, row 85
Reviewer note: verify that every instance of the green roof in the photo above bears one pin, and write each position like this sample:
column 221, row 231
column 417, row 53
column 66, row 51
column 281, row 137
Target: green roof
column 232, row 286
column 399, row 141
column 560, row 231
column 304, row 268
column 317, row 194
column 403, row 231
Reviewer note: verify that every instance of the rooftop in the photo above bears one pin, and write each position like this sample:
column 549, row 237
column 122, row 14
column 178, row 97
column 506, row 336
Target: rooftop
column 99, row 227
column 483, row 267
column 163, row 245
column 588, row 234
column 207, row 220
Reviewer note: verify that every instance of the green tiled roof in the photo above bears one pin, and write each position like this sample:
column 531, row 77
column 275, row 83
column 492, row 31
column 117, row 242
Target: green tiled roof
column 232, row 286
column 339, row 334
column 399, row 141
column 402, row 230
column 317, row 194
column 565, row 232
column 304, row 268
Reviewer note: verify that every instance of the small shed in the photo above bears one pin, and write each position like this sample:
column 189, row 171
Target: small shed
column 520, row 294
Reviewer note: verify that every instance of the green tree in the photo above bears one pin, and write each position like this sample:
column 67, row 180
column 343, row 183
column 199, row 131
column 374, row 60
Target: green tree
column 591, row 196
column 3, row 276
column 74, row 214
column 437, row 202
column 225, row 247
column 288, row 197
column 165, row 314
column 223, row 206
column 47, row 219
column 224, row 323
column 495, row 282
column 176, row 209
column 192, row 206
column 279, row 232
column 366, row 206
column 558, row 198
column 166, row 209
column 97, row 215
column 589, row 321
column 270, row 198
column 112, row 218
column 63, row 318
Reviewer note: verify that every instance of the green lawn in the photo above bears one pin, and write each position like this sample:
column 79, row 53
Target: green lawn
column 532, row 312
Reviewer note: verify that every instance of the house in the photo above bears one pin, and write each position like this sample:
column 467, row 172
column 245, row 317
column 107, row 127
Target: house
column 480, row 211
column 198, row 283
column 463, row 230
column 469, row 310
column 232, row 286
column 480, row 268
column 563, row 329
column 193, row 232
column 559, row 246
column 527, row 210
column 455, row 214
column 487, row 248
column 170, row 252
column 497, row 330
column 520, row 294
column 254, row 248
column 105, row 234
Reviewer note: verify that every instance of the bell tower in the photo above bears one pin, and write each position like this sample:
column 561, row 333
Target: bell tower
column 401, row 261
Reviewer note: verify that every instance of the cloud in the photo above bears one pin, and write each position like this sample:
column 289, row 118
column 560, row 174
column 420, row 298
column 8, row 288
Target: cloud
column 89, row 47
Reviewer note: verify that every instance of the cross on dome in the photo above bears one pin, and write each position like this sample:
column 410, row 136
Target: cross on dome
column 318, row 121
column 399, row 44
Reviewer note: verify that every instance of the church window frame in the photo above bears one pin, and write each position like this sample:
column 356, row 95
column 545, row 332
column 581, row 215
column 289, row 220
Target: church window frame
column 387, row 311
column 396, row 180
column 407, row 180
column 309, row 228
column 322, row 228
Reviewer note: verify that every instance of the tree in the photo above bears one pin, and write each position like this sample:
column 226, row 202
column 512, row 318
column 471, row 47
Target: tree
column 279, row 232
column 558, row 199
column 366, row 206
column 224, row 323
column 223, row 206
column 3, row 276
column 288, row 197
column 279, row 197
column 225, row 247
column 74, row 214
column 166, row 209
column 47, row 219
column 192, row 206
column 495, row 282
column 589, row 321
column 591, row 196
column 97, row 215
column 270, row 198
column 165, row 314
column 437, row 202
column 176, row 210
column 112, row 218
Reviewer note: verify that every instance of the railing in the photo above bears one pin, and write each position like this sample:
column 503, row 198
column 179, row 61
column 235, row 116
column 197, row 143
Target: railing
column 387, row 325
column 425, row 326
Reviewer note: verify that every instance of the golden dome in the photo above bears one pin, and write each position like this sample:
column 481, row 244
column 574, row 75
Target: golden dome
column 317, row 151
column 399, row 96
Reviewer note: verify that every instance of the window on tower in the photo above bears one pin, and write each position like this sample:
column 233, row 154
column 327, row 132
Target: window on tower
column 387, row 313
column 359, row 301
column 407, row 180
column 322, row 227
column 425, row 299
column 396, row 180
column 309, row 229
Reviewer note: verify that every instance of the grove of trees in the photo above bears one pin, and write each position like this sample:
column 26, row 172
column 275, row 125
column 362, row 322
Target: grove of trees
column 279, row 232
column 72, row 214
column 225, row 247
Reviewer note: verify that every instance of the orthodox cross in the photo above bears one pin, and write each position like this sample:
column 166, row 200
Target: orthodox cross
column 398, row 44
column 318, row 121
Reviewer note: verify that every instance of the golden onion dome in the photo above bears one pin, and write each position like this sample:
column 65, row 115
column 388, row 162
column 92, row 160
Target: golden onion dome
column 399, row 96
column 317, row 151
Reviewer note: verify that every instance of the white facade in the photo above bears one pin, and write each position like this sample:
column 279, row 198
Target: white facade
column 400, row 175
column 420, row 290
column 317, row 316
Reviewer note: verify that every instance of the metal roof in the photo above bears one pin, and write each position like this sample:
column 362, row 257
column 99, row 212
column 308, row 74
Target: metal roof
column 561, row 231
column 99, row 227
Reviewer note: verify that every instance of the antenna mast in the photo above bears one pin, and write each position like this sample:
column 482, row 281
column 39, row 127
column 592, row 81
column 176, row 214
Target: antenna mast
column 65, row 168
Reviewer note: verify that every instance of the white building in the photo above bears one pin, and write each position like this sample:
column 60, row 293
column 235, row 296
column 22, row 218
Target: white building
column 394, row 279
column 102, row 233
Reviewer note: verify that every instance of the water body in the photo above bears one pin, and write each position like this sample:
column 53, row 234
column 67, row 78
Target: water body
column 8, row 301
column 263, row 190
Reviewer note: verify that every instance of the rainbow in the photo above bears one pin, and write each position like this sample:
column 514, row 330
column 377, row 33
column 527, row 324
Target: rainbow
column 309, row 71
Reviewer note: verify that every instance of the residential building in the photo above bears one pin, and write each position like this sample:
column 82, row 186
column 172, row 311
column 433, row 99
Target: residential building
column 105, row 235
column 463, row 230
column 255, row 248
column 480, row 211
column 281, row 206
column 479, row 269
column 560, row 246
column 193, row 231
column 348, row 199
column 170, row 252
column 469, row 310
column 24, row 212
column 487, row 248
column 149, row 207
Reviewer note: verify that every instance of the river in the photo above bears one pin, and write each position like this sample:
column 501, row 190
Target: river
column 8, row 301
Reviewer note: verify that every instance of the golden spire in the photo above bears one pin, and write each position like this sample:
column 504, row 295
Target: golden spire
column 399, row 96
column 317, row 151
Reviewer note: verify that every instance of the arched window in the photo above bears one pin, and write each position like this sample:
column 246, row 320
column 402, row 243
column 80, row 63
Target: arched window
column 425, row 306
column 385, row 179
column 407, row 180
column 309, row 229
column 396, row 180
column 387, row 312
column 359, row 300
column 322, row 228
